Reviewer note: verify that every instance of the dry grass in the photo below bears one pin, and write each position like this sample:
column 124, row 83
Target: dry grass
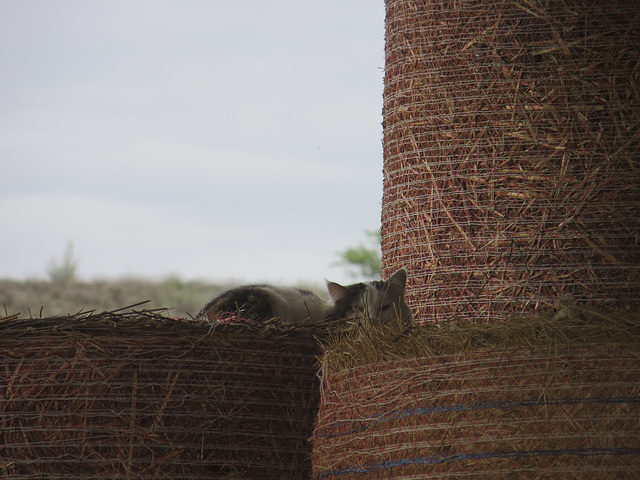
column 512, row 155
column 575, row 326
column 40, row 298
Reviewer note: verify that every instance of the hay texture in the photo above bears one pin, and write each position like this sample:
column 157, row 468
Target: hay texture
column 512, row 155
column 529, row 399
column 141, row 396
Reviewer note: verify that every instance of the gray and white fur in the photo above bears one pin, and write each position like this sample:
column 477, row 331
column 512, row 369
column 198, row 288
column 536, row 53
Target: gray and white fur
column 379, row 302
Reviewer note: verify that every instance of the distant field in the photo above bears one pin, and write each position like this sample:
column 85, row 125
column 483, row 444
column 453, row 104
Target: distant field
column 36, row 297
column 33, row 298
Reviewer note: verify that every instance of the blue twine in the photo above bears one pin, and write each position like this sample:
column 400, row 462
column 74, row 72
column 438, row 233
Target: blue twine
column 480, row 455
column 387, row 417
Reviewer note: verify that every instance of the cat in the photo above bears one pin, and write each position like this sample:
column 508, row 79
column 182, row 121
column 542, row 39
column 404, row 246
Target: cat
column 261, row 302
column 379, row 302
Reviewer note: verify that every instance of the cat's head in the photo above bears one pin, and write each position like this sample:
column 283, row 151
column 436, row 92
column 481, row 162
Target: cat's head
column 381, row 302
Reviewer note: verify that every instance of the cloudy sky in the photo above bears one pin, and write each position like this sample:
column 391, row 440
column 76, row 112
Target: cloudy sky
column 209, row 139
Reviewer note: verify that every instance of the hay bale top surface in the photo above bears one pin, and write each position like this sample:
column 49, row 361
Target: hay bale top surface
column 105, row 323
column 575, row 327
column 136, row 323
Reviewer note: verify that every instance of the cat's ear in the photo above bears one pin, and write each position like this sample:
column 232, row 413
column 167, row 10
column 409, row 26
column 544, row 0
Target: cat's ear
column 399, row 278
column 336, row 291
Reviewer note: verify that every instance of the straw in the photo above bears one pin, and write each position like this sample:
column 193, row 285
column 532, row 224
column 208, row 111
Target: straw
column 530, row 398
column 140, row 395
column 512, row 155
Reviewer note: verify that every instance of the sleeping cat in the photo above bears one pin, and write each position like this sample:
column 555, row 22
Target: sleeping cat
column 377, row 301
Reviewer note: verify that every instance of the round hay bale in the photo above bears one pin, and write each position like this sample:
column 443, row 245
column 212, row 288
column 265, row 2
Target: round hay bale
column 530, row 400
column 139, row 396
column 512, row 154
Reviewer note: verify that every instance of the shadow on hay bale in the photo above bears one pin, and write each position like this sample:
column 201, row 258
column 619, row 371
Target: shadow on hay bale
column 142, row 396
column 527, row 398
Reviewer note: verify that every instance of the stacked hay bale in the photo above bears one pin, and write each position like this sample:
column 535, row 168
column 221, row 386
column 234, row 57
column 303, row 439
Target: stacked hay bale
column 142, row 396
column 528, row 398
column 512, row 154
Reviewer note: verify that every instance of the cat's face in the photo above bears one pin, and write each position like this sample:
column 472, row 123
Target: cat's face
column 378, row 301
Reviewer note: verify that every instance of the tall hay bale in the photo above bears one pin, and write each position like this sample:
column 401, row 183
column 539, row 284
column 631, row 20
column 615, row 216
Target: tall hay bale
column 512, row 154
column 530, row 399
column 129, row 396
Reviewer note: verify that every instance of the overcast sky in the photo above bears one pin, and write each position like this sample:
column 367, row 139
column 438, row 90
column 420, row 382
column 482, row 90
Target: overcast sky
column 209, row 139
